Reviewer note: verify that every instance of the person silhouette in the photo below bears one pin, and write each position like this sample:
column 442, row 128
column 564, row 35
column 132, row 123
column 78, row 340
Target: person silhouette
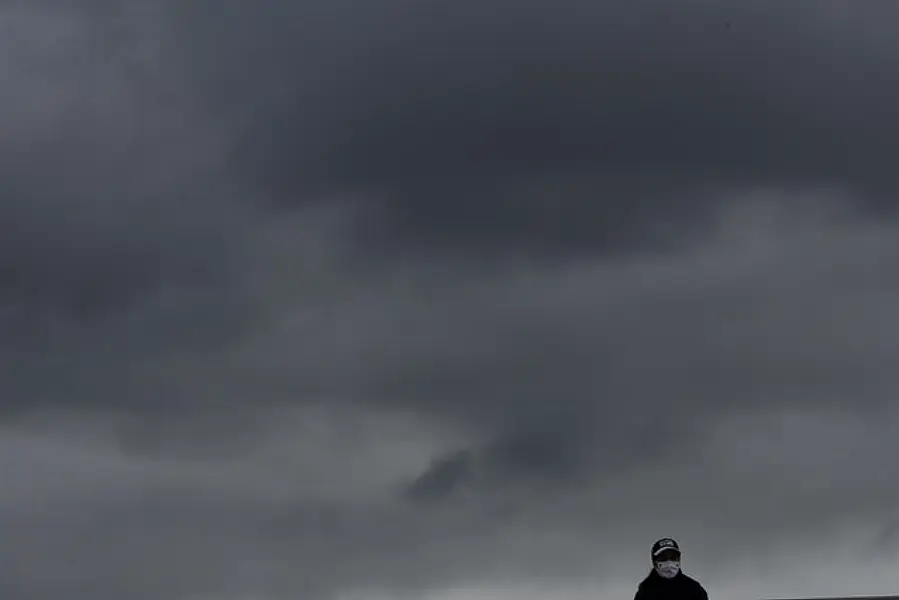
column 666, row 580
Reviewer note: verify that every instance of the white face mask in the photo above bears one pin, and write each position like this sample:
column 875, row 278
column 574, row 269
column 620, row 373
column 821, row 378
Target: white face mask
column 668, row 569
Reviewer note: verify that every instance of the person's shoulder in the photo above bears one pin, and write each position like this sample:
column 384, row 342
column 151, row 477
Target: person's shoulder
column 692, row 582
column 645, row 584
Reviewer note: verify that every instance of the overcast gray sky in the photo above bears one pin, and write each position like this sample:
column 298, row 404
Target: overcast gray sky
column 343, row 300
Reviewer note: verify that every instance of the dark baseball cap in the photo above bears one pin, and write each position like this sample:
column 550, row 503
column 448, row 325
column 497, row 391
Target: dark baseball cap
column 665, row 545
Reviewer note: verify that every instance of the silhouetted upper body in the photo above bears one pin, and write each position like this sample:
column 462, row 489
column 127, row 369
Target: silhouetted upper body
column 679, row 587
column 667, row 581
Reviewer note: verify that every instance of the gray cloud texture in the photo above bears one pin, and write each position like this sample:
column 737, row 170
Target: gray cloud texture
column 331, row 300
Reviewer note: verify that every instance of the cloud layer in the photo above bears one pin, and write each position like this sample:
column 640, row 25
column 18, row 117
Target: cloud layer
column 336, row 301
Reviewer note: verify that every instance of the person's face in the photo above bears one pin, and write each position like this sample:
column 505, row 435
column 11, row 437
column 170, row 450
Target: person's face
column 667, row 563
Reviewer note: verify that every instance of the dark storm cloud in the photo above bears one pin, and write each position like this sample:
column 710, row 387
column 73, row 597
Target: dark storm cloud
column 564, row 125
column 119, row 230
column 105, row 189
column 214, row 396
column 602, row 366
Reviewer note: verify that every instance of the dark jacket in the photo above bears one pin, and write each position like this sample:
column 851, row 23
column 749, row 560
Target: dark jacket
column 679, row 587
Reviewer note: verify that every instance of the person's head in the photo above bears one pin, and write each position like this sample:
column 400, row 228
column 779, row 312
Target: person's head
column 666, row 557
